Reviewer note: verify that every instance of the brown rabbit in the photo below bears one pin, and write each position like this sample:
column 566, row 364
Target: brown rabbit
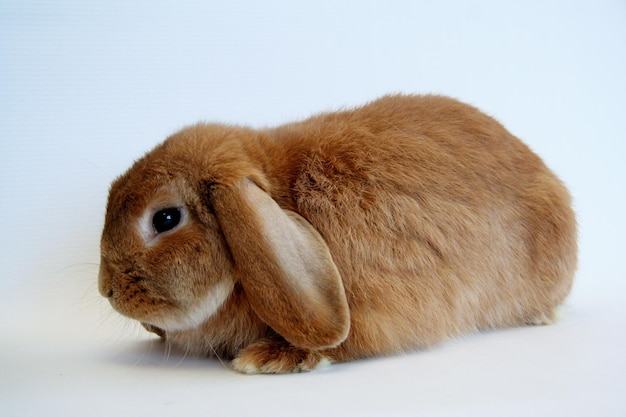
column 373, row 231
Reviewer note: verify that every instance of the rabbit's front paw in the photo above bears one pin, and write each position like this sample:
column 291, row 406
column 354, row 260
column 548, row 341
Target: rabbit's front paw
column 277, row 356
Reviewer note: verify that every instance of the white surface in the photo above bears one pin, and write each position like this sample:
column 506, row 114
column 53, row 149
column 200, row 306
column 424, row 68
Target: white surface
column 87, row 86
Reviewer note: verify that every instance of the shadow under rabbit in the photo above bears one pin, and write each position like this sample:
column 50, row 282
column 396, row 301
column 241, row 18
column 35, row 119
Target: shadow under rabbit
column 154, row 352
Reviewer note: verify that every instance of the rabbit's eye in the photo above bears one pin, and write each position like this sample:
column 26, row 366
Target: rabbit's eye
column 166, row 219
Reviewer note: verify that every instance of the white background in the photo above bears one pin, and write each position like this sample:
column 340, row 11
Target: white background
column 86, row 87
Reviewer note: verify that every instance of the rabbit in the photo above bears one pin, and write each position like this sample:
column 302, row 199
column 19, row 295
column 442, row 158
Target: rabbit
column 371, row 231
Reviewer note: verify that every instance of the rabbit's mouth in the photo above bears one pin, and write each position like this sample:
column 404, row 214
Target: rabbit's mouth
column 131, row 298
column 128, row 294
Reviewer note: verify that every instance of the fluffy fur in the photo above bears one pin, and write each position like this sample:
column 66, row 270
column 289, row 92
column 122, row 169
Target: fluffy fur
column 373, row 231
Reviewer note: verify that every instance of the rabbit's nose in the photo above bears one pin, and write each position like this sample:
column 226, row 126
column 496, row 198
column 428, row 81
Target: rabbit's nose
column 104, row 281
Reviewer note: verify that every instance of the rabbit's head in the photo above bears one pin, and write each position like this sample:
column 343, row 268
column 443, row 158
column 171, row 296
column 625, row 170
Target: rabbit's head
column 194, row 218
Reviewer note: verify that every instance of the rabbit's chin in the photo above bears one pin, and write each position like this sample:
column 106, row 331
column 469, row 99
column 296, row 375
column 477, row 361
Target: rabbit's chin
column 194, row 315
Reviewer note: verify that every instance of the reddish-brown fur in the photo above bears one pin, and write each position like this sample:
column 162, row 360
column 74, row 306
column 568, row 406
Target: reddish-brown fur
column 429, row 220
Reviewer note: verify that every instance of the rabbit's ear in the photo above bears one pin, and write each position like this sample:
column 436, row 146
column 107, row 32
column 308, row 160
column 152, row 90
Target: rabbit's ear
column 284, row 266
